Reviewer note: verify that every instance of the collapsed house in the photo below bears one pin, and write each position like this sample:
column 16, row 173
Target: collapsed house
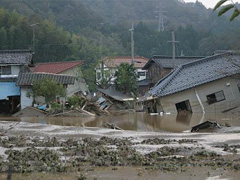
column 115, row 100
column 210, row 84
column 25, row 82
column 12, row 62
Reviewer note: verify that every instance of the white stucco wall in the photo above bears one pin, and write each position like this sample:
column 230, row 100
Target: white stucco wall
column 15, row 69
column 25, row 101
column 79, row 85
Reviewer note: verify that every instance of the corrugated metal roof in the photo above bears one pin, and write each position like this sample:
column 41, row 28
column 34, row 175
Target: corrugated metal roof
column 196, row 73
column 15, row 57
column 168, row 62
column 27, row 79
column 56, row 67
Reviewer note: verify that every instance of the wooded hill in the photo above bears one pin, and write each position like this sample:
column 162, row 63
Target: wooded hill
column 91, row 29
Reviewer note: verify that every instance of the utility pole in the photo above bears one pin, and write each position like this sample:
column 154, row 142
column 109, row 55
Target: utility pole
column 102, row 63
column 33, row 39
column 173, row 47
column 132, row 43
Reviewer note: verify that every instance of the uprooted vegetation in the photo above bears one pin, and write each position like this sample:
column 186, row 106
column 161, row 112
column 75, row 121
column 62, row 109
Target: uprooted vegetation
column 36, row 154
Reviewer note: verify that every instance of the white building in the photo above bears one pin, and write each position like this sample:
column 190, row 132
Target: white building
column 111, row 64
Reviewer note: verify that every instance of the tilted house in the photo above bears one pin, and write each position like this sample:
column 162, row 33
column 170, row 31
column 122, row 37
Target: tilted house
column 26, row 81
column 12, row 62
column 71, row 68
column 159, row 66
column 207, row 85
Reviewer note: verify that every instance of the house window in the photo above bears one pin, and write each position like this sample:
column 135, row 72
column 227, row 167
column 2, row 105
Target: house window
column 215, row 97
column 141, row 74
column 98, row 75
column 5, row 70
column 184, row 106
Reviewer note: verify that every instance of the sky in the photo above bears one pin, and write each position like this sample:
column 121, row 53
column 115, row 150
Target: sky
column 209, row 3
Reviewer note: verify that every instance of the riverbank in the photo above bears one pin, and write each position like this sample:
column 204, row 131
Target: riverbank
column 62, row 152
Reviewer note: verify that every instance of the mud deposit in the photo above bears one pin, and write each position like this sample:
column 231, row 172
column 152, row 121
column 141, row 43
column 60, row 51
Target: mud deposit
column 43, row 152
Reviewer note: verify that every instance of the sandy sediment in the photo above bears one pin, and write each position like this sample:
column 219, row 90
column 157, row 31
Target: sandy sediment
column 35, row 148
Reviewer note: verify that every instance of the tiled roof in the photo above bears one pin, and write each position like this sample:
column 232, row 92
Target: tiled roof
column 113, row 62
column 15, row 57
column 196, row 73
column 27, row 79
column 167, row 61
column 56, row 67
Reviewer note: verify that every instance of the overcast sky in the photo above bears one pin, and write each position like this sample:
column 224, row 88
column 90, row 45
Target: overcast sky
column 209, row 3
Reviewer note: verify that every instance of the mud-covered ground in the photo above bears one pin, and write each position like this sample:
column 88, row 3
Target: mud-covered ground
column 36, row 151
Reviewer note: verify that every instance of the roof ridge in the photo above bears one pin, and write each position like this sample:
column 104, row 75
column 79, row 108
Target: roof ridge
column 61, row 62
column 177, row 57
column 205, row 59
column 48, row 73
column 116, row 57
column 14, row 51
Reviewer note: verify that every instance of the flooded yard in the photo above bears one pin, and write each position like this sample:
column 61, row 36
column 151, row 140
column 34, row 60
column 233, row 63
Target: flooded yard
column 137, row 121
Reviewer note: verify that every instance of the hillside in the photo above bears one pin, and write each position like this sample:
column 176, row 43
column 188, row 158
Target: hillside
column 77, row 14
column 97, row 28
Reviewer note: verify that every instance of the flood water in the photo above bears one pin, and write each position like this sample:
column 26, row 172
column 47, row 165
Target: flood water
column 136, row 121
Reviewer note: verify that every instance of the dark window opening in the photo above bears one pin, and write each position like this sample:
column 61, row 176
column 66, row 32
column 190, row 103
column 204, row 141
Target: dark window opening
column 141, row 74
column 5, row 70
column 184, row 106
column 215, row 97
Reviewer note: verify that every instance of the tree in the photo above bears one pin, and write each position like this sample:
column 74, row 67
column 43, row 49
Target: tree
column 49, row 89
column 226, row 8
column 126, row 79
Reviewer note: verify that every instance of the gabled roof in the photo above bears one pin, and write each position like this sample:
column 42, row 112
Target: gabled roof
column 16, row 57
column 113, row 62
column 167, row 61
column 56, row 67
column 27, row 79
column 196, row 73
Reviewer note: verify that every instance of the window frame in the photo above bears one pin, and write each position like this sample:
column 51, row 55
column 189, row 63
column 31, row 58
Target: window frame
column 215, row 100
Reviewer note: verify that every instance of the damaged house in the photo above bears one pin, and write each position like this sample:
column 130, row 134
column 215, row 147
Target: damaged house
column 210, row 84
column 12, row 63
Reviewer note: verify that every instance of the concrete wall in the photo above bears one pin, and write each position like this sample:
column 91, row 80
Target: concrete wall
column 25, row 101
column 79, row 85
column 228, row 85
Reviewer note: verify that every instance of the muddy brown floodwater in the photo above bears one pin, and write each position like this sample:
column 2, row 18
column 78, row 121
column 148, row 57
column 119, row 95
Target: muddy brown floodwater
column 148, row 147
column 137, row 121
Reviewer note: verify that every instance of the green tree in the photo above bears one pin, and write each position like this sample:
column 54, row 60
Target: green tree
column 49, row 89
column 226, row 8
column 126, row 79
